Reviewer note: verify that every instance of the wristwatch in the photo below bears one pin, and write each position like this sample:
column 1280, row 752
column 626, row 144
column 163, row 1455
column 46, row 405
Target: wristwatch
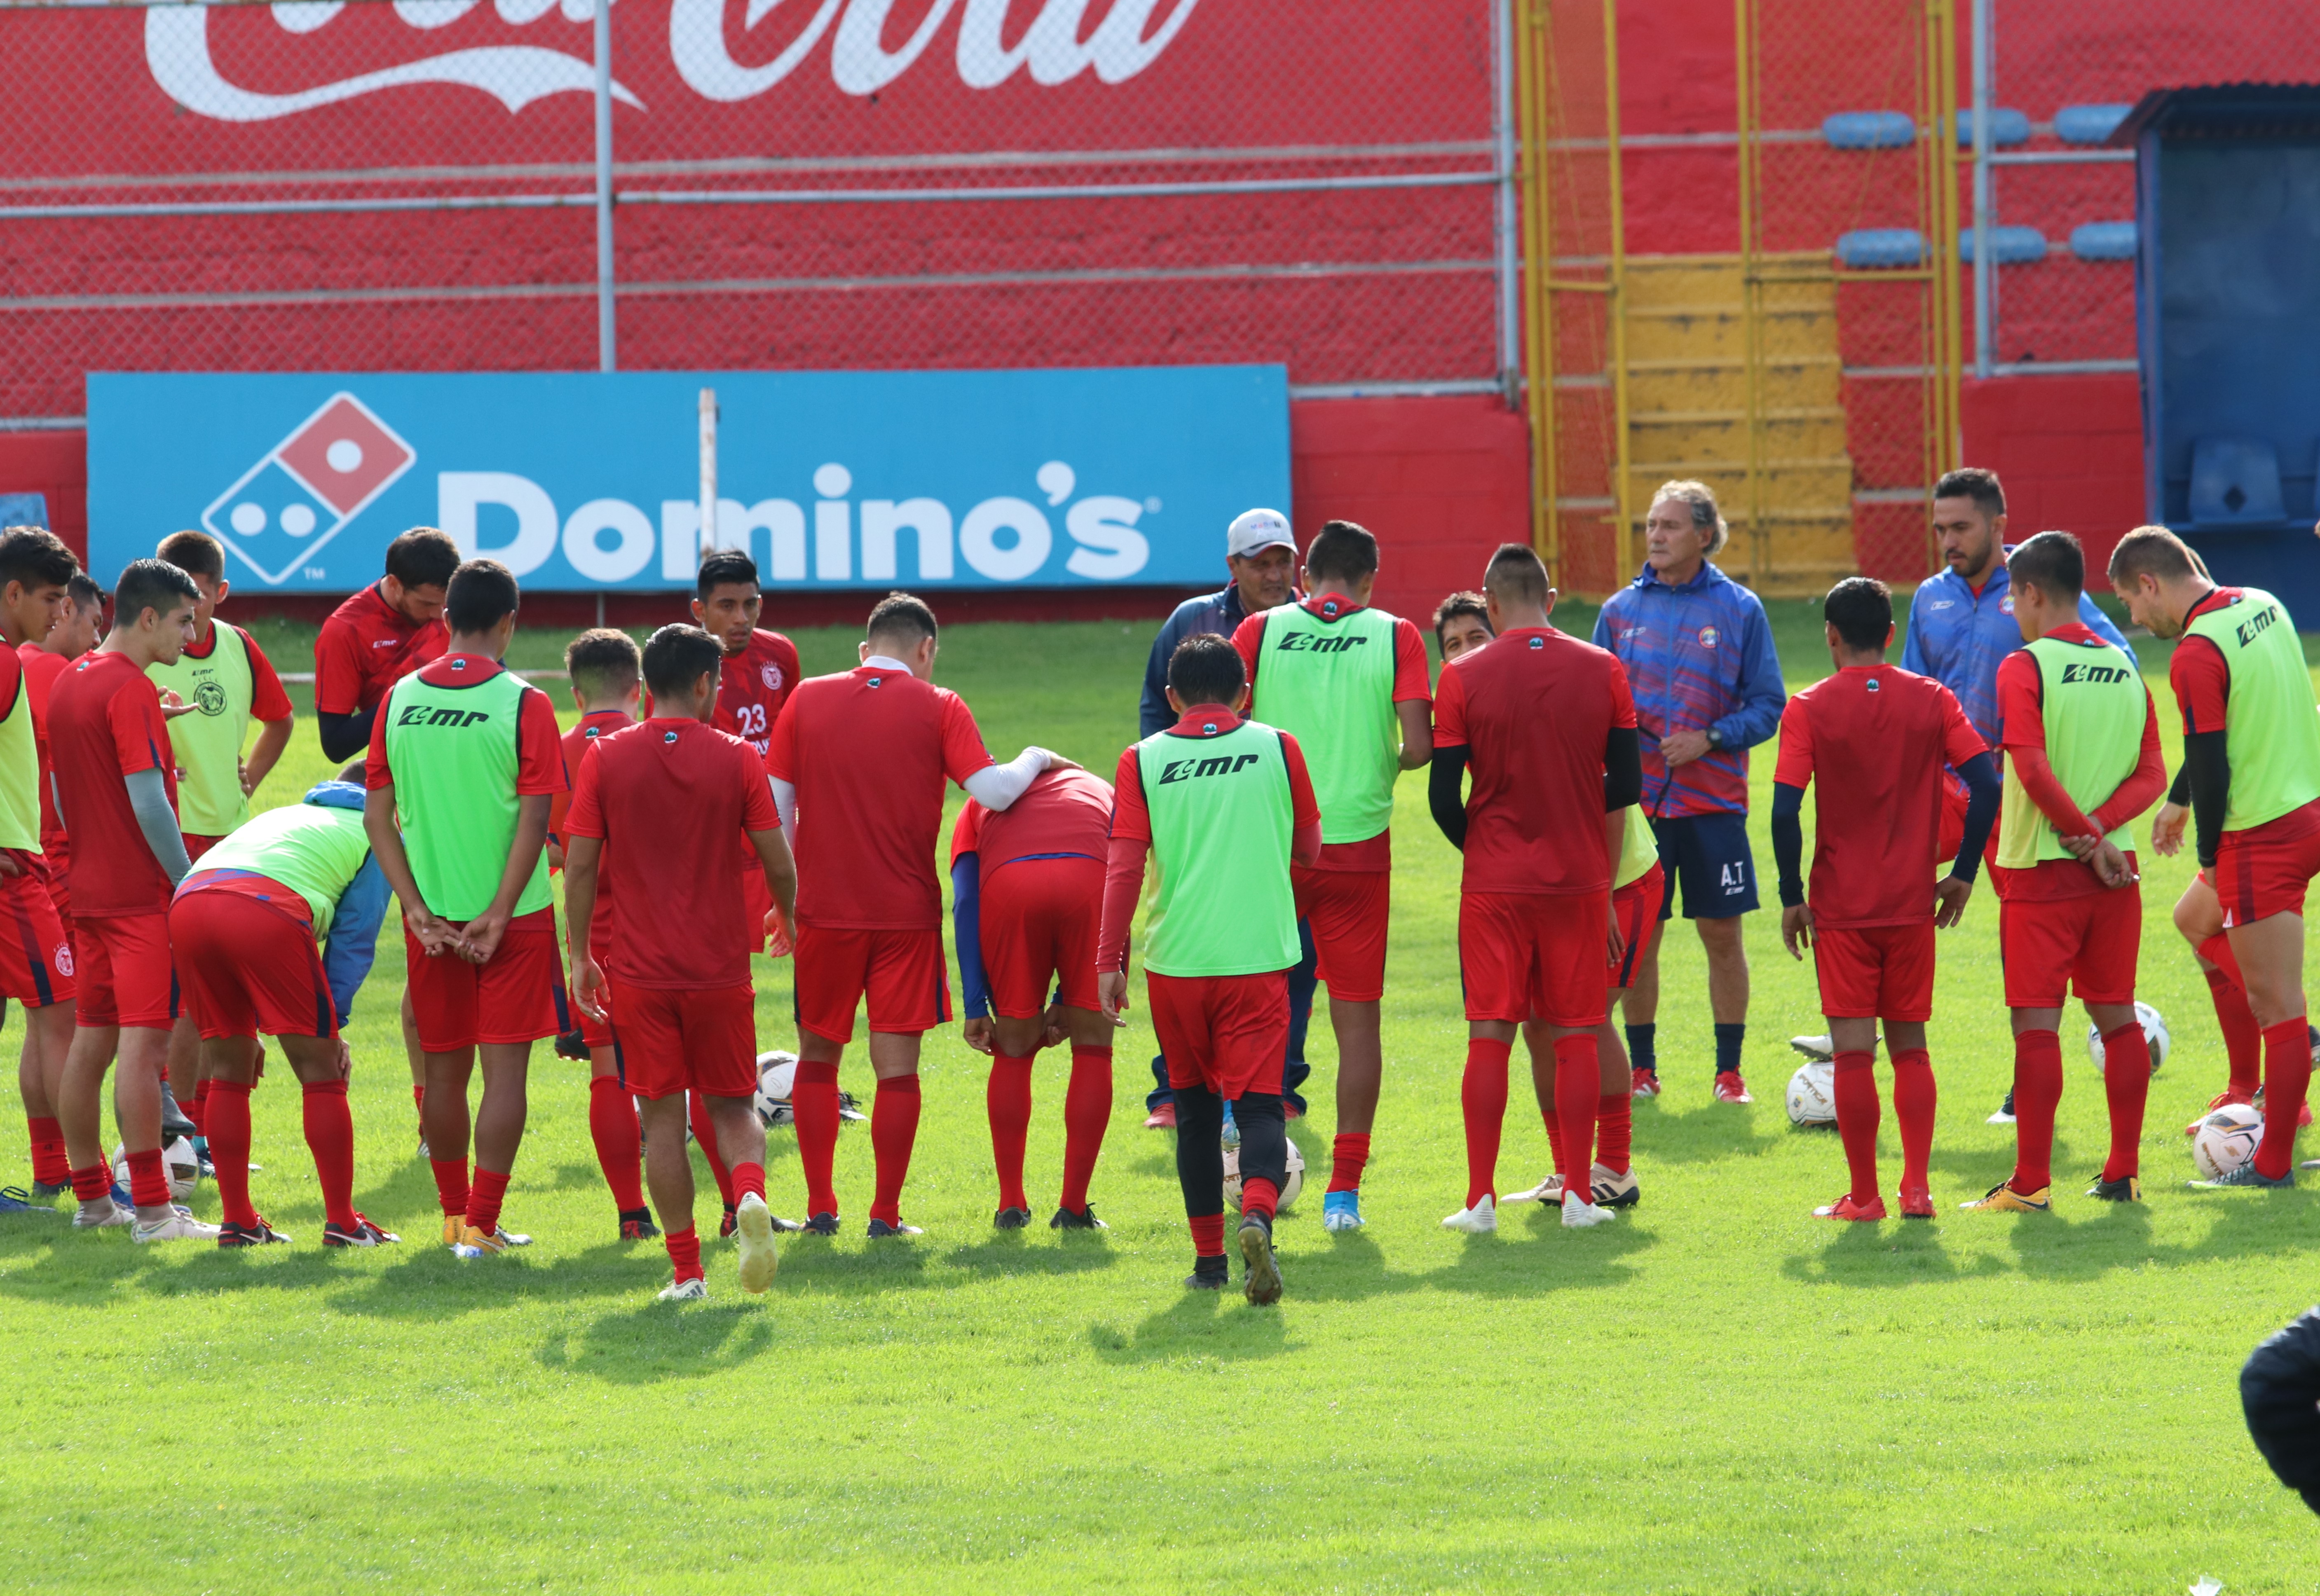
column 1715, row 738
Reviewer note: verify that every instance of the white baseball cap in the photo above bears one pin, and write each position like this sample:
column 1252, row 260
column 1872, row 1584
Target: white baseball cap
column 1254, row 531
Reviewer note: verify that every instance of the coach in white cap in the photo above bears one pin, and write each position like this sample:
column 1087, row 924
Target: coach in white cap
column 1260, row 552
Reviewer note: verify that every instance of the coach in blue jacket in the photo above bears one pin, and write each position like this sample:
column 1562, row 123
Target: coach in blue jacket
column 1261, row 552
column 1699, row 658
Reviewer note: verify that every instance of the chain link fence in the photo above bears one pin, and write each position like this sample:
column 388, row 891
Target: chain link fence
column 499, row 184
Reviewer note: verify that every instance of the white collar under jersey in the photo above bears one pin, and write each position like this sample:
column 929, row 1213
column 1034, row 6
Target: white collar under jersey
column 879, row 662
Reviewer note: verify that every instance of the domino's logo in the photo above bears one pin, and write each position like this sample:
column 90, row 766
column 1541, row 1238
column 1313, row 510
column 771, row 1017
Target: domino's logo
column 300, row 494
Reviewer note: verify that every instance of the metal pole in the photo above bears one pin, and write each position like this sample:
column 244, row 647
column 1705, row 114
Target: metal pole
column 1509, row 269
column 1538, row 327
column 708, row 470
column 607, row 339
column 1615, row 276
column 1985, row 186
column 1752, row 375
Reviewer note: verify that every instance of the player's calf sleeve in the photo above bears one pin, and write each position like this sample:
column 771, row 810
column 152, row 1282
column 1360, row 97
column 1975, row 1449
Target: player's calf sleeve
column 330, row 1126
column 813, row 1104
column 684, row 1253
column 613, row 1126
column 1349, row 1154
column 90, row 1183
column 2287, row 1075
column 148, row 1180
column 1854, row 1088
column 50, row 1167
column 1482, row 1098
column 2126, row 1086
column 2243, row 1037
column 704, row 1136
column 1201, row 1160
column 1615, row 1128
column 485, row 1192
column 1554, row 1138
column 450, row 1184
column 2037, row 1093
column 197, row 1109
column 229, row 1137
column 419, row 1096
column 1264, row 1150
column 748, row 1181
column 1007, row 1102
column 1576, row 1092
column 894, row 1132
column 1915, row 1099
column 1087, row 1113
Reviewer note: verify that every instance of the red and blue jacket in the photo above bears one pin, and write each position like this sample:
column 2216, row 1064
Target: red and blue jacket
column 1699, row 655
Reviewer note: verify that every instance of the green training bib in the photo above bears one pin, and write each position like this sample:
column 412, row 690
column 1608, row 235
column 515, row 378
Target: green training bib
column 2094, row 704
column 1639, row 850
column 453, row 755
column 2271, row 735
column 20, row 774
column 314, row 850
column 208, row 742
column 1222, row 824
column 1330, row 684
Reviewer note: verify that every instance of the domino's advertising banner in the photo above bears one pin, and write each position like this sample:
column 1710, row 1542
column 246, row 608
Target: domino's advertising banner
column 580, row 481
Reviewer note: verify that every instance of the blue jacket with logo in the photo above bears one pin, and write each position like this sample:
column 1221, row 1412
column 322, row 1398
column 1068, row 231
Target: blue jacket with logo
column 1958, row 637
column 1697, row 656
column 1219, row 614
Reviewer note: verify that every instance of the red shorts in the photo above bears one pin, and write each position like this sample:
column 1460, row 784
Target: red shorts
column 2085, row 945
column 246, row 967
column 703, row 1040
column 122, row 964
column 1039, row 925
column 2264, row 876
column 518, row 996
column 1348, row 910
column 1876, row 972
column 1228, row 1033
column 1637, row 907
column 36, row 958
column 900, row 972
column 197, row 846
column 1526, row 954
column 60, row 862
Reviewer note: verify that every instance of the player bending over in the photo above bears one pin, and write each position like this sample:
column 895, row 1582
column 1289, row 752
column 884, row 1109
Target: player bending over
column 655, row 817
column 2252, row 746
column 1225, row 808
column 244, row 925
column 863, row 757
column 1027, row 905
column 464, row 761
column 1547, row 724
column 1877, row 738
column 2082, row 760
column 1349, row 683
column 116, row 793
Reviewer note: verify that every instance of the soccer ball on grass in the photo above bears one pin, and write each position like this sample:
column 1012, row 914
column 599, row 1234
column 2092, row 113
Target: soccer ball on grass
column 1289, row 1190
column 179, row 1160
column 2154, row 1034
column 1812, row 1096
column 2226, row 1140
column 776, row 1073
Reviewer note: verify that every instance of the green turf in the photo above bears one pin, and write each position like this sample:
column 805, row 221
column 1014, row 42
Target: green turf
column 1716, row 1394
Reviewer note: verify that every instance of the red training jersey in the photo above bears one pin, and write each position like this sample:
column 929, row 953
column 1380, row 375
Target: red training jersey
column 1535, row 709
column 753, row 685
column 1879, row 737
column 2022, row 712
column 105, row 724
column 669, row 797
column 594, row 725
column 868, row 753
column 1062, row 815
column 42, row 670
column 365, row 648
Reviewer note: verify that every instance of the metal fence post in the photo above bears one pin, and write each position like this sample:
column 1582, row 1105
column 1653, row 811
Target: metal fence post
column 1510, row 255
column 1985, row 186
column 607, row 336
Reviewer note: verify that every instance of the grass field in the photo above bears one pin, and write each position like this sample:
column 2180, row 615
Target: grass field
column 1717, row 1394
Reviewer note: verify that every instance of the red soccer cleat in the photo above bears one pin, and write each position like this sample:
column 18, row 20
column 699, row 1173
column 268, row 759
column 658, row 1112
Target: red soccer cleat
column 2222, row 1097
column 1731, row 1088
column 1845, row 1207
column 1916, row 1203
column 1644, row 1083
column 1162, row 1118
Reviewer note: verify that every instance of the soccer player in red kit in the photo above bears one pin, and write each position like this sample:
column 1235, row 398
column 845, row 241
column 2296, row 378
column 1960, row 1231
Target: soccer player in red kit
column 858, row 763
column 607, row 680
column 754, row 678
column 658, row 805
column 1027, row 905
column 1548, row 726
column 117, row 790
column 1878, row 737
column 45, row 663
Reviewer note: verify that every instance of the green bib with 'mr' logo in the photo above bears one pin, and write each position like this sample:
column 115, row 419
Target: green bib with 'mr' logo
column 2273, row 735
column 2094, row 705
column 1222, row 824
column 1330, row 684
column 208, row 741
column 453, row 753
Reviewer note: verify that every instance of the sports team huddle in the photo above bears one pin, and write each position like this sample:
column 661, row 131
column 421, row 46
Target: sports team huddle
column 709, row 805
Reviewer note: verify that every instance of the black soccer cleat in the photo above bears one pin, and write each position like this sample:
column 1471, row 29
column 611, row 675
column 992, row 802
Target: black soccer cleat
column 1262, row 1281
column 260, row 1234
column 821, row 1224
column 2126, row 1188
column 726, row 1226
column 174, row 1123
column 1082, row 1220
column 572, row 1045
column 880, row 1231
column 1208, row 1273
column 1011, row 1218
column 637, row 1224
column 849, row 1108
column 361, row 1233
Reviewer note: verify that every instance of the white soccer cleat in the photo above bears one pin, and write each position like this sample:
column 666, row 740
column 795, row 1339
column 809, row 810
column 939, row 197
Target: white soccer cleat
column 1578, row 1213
column 753, row 1230
column 1820, row 1050
column 180, row 1226
column 695, row 1290
column 90, row 1217
column 1480, row 1220
column 1549, row 1190
column 1613, row 1189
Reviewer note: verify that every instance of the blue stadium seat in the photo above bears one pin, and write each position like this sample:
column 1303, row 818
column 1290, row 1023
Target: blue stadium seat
column 2235, row 482
column 1870, row 130
column 2088, row 124
column 1881, row 247
column 2008, row 246
column 2006, row 128
column 2103, row 240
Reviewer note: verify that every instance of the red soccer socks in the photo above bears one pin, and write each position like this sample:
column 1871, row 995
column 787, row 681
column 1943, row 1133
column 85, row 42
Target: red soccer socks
column 613, row 1126
column 893, row 1132
column 450, row 1185
column 485, row 1194
column 1007, row 1101
column 50, row 1167
column 684, row 1253
column 1087, row 1112
column 2286, row 1075
column 2037, row 1093
column 1577, row 1092
column 704, row 1135
column 1259, row 1196
column 1614, row 1130
column 1914, row 1101
column 1208, row 1235
column 2126, row 1085
column 149, row 1179
column 228, row 1117
column 197, row 1109
column 1854, row 1087
column 2243, row 1038
column 814, row 1104
column 1555, row 1137
column 90, row 1183
column 330, row 1128
column 1349, row 1155
column 1483, row 1095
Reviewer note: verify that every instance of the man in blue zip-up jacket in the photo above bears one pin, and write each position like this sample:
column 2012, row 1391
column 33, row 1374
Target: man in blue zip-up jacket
column 1261, row 552
column 1706, row 681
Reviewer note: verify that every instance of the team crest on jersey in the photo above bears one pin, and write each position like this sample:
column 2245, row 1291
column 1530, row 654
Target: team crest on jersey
column 1207, row 729
column 2005, row 605
column 211, row 697
column 1330, row 608
column 668, row 736
column 62, row 959
column 1708, row 636
column 771, row 675
column 1538, row 642
column 1873, row 684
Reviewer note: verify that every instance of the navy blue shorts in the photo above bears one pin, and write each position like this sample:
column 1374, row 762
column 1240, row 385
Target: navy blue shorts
column 1709, row 856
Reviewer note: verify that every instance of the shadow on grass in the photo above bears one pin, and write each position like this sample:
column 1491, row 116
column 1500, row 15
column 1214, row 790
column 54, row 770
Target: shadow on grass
column 1707, row 1134
column 658, row 1341
column 1543, row 1257
column 1200, row 1324
column 1896, row 1252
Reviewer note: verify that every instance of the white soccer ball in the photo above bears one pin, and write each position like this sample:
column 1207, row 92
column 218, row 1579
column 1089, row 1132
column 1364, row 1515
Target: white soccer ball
column 776, row 1073
column 1812, row 1096
column 178, row 1158
column 2155, row 1033
column 1294, row 1184
column 2226, row 1140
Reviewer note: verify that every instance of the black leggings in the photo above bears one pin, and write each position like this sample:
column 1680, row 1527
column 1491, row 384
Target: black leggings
column 1200, row 1147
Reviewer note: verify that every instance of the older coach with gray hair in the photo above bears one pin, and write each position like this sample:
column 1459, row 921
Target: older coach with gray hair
column 1707, row 687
